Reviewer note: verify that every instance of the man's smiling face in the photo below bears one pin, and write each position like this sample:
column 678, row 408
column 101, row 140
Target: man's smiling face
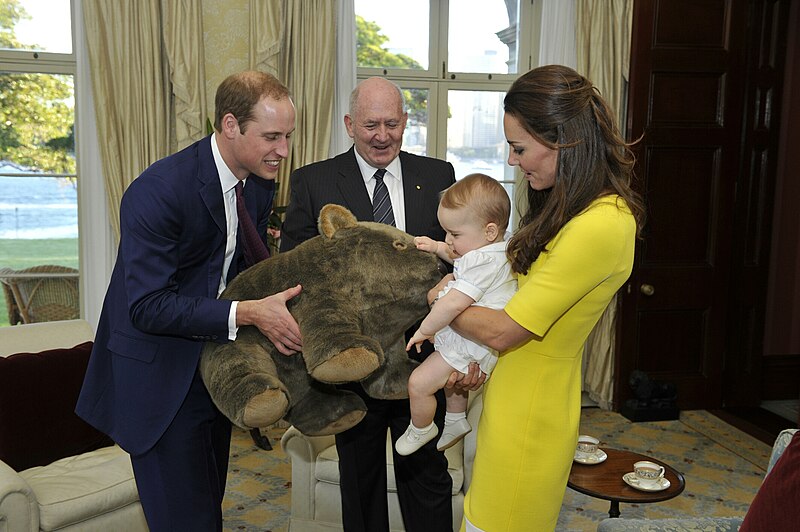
column 263, row 142
column 377, row 122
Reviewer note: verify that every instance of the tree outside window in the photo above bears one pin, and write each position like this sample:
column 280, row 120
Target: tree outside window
column 38, row 181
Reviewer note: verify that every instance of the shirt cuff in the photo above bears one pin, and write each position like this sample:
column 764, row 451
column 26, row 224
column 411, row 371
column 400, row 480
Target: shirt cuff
column 232, row 328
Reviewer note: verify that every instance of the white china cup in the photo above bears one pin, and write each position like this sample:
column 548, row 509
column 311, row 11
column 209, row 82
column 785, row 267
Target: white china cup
column 587, row 444
column 648, row 474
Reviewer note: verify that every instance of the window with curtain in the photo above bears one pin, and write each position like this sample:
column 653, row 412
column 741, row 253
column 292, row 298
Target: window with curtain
column 454, row 59
column 38, row 179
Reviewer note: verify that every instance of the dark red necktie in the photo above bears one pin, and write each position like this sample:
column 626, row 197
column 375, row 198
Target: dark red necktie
column 254, row 249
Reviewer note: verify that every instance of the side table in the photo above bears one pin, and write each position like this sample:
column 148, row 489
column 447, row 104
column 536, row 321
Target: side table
column 604, row 480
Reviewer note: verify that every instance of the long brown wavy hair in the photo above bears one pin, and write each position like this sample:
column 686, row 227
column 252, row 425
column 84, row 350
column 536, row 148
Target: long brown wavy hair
column 563, row 110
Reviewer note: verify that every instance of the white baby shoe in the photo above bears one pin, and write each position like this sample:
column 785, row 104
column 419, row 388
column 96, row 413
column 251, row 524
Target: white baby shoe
column 453, row 433
column 411, row 440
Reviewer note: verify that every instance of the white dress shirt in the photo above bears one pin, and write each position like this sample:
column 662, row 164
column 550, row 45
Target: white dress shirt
column 228, row 181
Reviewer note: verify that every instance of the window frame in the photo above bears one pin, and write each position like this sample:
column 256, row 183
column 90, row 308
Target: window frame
column 65, row 63
column 31, row 61
column 529, row 17
column 438, row 80
column 35, row 61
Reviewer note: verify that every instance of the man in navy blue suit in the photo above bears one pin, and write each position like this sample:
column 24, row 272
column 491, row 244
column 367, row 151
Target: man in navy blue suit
column 376, row 122
column 180, row 244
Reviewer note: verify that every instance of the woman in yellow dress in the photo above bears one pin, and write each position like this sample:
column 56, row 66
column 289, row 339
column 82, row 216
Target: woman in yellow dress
column 572, row 252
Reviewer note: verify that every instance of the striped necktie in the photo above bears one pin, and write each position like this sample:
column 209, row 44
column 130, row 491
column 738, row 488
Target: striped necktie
column 381, row 203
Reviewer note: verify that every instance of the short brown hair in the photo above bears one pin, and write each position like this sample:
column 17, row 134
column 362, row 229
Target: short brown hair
column 484, row 196
column 239, row 93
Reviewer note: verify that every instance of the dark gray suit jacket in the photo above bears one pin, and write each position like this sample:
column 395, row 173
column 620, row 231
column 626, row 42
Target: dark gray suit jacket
column 338, row 180
column 423, row 482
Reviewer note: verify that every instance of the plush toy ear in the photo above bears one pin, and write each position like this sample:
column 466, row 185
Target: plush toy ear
column 334, row 217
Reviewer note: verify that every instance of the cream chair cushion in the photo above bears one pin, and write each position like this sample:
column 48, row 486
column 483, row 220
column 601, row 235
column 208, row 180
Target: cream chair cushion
column 93, row 491
column 316, row 501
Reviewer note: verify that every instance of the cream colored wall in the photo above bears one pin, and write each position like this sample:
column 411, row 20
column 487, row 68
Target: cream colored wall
column 225, row 36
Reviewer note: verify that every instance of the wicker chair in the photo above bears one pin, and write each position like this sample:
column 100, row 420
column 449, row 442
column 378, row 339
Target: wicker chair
column 14, row 317
column 50, row 296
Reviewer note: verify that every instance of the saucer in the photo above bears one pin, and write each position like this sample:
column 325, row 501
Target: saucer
column 594, row 458
column 631, row 480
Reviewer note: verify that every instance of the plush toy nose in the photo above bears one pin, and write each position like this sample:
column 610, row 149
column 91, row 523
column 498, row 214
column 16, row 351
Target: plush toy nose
column 442, row 268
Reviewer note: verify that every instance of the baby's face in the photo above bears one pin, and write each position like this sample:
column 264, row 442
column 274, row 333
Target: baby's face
column 465, row 231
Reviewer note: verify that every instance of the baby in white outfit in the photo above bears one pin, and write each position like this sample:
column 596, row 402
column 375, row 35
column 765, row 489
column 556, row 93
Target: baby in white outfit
column 474, row 212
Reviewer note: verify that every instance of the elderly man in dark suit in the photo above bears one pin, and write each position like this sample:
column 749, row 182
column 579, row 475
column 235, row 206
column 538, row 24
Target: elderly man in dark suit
column 182, row 239
column 378, row 182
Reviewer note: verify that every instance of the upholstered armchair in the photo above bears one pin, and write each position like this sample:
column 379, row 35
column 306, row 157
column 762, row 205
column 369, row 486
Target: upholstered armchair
column 704, row 524
column 316, row 503
column 57, row 472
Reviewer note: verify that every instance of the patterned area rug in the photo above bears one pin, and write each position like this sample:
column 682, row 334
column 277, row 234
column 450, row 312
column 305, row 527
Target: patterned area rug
column 722, row 465
column 259, row 485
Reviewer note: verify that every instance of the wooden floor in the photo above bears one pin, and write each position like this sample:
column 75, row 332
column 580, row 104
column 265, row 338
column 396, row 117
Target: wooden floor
column 755, row 421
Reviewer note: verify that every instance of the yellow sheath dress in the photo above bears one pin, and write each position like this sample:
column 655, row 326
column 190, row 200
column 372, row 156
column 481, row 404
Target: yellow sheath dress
column 529, row 426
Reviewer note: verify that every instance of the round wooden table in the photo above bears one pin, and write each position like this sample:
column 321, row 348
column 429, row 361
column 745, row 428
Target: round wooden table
column 604, row 480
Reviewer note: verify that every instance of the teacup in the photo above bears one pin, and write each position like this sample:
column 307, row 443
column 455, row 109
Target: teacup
column 648, row 473
column 587, row 444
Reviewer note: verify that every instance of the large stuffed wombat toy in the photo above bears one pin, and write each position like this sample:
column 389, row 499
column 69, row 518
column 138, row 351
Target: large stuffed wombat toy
column 363, row 284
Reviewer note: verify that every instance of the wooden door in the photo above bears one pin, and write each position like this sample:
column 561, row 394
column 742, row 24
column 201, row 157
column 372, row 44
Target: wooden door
column 705, row 97
column 686, row 102
column 750, row 376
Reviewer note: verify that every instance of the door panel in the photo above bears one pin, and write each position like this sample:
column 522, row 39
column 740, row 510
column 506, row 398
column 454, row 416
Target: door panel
column 680, row 223
column 704, row 96
column 747, row 380
column 685, row 104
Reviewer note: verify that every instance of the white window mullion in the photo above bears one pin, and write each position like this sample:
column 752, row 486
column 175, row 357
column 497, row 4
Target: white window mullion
column 440, row 112
column 439, row 32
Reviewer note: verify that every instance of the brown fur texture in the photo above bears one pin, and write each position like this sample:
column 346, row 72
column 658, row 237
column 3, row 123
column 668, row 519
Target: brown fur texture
column 364, row 284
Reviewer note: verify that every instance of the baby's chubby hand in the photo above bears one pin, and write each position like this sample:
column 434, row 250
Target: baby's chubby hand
column 417, row 340
column 426, row 244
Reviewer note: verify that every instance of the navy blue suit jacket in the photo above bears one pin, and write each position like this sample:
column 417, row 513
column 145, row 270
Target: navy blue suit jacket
column 338, row 180
column 161, row 304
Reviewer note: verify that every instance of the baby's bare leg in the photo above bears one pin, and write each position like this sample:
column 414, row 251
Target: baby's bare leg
column 429, row 377
column 456, row 399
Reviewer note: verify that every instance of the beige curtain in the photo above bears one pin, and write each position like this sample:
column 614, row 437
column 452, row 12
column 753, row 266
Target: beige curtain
column 602, row 42
column 598, row 380
column 603, row 46
column 131, row 90
column 307, row 67
column 266, row 35
column 146, row 91
column 183, row 41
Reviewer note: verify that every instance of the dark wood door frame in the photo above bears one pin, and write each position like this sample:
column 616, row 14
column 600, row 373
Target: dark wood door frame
column 781, row 373
column 765, row 55
column 705, row 96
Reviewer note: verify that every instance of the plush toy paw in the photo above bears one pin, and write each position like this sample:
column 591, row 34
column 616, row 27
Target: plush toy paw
column 342, row 410
column 266, row 408
column 348, row 366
